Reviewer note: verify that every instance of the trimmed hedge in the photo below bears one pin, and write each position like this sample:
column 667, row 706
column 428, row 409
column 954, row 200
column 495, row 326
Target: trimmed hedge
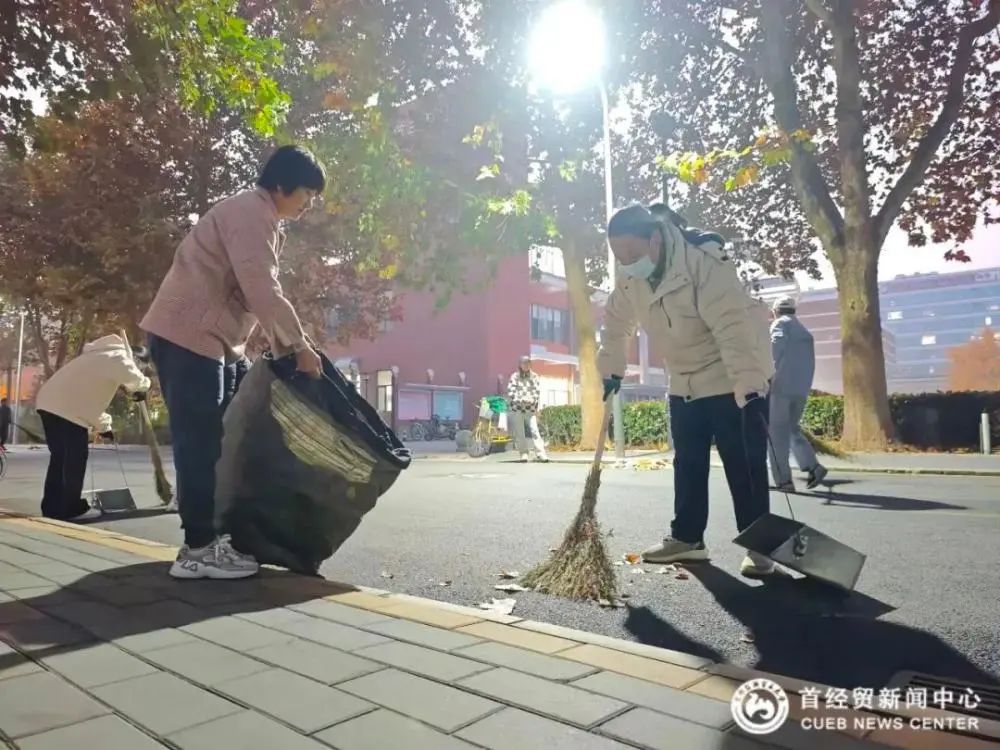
column 645, row 424
column 945, row 420
column 938, row 421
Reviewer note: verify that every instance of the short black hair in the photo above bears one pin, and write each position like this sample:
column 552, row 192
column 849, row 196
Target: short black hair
column 633, row 221
column 292, row 167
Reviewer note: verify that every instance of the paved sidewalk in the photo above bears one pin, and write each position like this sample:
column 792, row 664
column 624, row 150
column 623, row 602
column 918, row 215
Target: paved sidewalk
column 104, row 650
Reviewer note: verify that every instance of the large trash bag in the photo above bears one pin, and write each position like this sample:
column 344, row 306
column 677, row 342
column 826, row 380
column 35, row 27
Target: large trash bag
column 302, row 462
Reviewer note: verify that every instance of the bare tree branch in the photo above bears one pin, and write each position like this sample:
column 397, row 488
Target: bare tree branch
column 819, row 10
column 929, row 144
column 851, row 124
column 807, row 179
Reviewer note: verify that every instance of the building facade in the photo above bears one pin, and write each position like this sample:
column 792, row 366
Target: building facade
column 923, row 317
column 443, row 361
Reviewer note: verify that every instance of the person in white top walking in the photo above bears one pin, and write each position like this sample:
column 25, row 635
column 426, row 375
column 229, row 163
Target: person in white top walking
column 71, row 403
column 523, row 396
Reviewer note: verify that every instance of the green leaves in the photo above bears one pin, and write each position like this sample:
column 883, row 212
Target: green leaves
column 217, row 59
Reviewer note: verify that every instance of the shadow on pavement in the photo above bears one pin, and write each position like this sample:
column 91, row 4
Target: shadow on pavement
column 139, row 600
column 805, row 629
column 649, row 628
column 830, row 495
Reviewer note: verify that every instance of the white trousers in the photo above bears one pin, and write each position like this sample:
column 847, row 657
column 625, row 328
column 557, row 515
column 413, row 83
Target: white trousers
column 523, row 444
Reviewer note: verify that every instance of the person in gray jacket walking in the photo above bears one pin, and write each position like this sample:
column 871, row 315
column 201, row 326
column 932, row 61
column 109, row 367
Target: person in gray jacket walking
column 794, row 366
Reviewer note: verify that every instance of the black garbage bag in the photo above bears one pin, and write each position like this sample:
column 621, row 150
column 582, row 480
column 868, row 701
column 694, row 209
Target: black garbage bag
column 302, row 462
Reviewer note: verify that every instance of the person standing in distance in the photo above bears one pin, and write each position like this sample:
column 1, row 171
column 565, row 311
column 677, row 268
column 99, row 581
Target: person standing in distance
column 524, row 396
column 223, row 282
column 679, row 285
column 794, row 367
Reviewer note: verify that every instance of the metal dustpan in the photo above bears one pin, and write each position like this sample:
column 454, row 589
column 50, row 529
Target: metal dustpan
column 115, row 500
column 803, row 549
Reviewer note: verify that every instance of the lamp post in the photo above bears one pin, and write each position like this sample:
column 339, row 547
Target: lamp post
column 17, row 386
column 567, row 54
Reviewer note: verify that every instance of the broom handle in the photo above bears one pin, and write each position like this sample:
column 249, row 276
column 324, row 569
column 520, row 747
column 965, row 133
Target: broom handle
column 143, row 409
column 599, row 453
column 147, row 423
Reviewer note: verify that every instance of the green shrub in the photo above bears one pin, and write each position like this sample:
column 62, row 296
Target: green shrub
column 645, row 425
column 824, row 416
column 944, row 420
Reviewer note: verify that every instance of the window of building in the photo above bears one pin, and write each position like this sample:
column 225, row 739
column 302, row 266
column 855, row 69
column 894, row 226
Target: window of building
column 896, row 315
column 384, row 392
column 549, row 324
column 448, row 405
column 928, row 340
column 989, row 320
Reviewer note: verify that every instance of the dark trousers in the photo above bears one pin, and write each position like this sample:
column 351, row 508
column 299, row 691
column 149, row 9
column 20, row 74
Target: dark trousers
column 197, row 391
column 68, row 443
column 741, row 439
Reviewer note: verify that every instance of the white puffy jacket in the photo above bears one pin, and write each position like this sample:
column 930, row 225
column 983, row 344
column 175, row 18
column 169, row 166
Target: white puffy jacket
column 81, row 389
column 713, row 333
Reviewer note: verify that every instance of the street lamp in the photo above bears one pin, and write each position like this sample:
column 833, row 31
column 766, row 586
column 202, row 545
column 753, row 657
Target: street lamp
column 566, row 53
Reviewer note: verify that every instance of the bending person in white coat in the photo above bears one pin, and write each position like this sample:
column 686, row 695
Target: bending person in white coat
column 679, row 285
column 794, row 366
column 71, row 403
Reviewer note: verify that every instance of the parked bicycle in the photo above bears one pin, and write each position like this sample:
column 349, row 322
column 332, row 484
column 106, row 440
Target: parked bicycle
column 434, row 428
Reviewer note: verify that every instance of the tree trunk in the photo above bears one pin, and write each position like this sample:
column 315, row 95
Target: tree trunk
column 591, row 407
column 867, row 423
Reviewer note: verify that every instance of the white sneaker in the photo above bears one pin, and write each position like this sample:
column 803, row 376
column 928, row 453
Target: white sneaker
column 172, row 506
column 674, row 550
column 216, row 560
column 524, row 458
column 755, row 565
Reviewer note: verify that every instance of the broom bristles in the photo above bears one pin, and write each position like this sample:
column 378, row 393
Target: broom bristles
column 580, row 568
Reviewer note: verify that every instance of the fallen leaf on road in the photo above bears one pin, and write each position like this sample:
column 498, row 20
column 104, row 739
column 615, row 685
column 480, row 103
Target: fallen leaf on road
column 631, row 558
column 386, row 574
column 508, row 574
column 639, row 571
column 619, row 562
column 500, row 606
column 510, row 587
column 553, row 549
column 682, row 576
column 611, row 603
column 445, row 583
column 747, row 638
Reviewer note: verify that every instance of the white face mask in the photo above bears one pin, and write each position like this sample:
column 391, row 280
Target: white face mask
column 641, row 269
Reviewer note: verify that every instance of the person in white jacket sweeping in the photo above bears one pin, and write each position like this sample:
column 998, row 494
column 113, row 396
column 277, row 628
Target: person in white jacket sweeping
column 71, row 403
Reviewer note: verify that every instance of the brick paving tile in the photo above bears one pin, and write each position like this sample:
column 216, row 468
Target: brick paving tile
column 320, row 663
column 383, row 729
column 513, row 729
column 98, row 665
column 532, row 662
column 246, row 731
column 424, row 661
column 660, row 732
column 37, row 702
column 205, row 663
column 104, row 733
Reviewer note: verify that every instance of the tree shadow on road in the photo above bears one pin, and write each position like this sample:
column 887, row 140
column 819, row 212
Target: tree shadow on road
column 129, row 603
column 830, row 495
column 805, row 629
column 649, row 628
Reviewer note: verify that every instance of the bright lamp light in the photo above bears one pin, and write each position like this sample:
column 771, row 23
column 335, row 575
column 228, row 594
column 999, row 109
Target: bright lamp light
column 566, row 49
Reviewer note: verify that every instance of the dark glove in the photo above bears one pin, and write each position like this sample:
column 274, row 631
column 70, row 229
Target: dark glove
column 612, row 385
column 109, row 435
column 139, row 396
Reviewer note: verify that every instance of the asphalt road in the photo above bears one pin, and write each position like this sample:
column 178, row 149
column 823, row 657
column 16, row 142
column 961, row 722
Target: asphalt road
column 927, row 599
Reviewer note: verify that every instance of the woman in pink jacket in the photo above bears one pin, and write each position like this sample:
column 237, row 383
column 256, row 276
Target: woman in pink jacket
column 223, row 282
